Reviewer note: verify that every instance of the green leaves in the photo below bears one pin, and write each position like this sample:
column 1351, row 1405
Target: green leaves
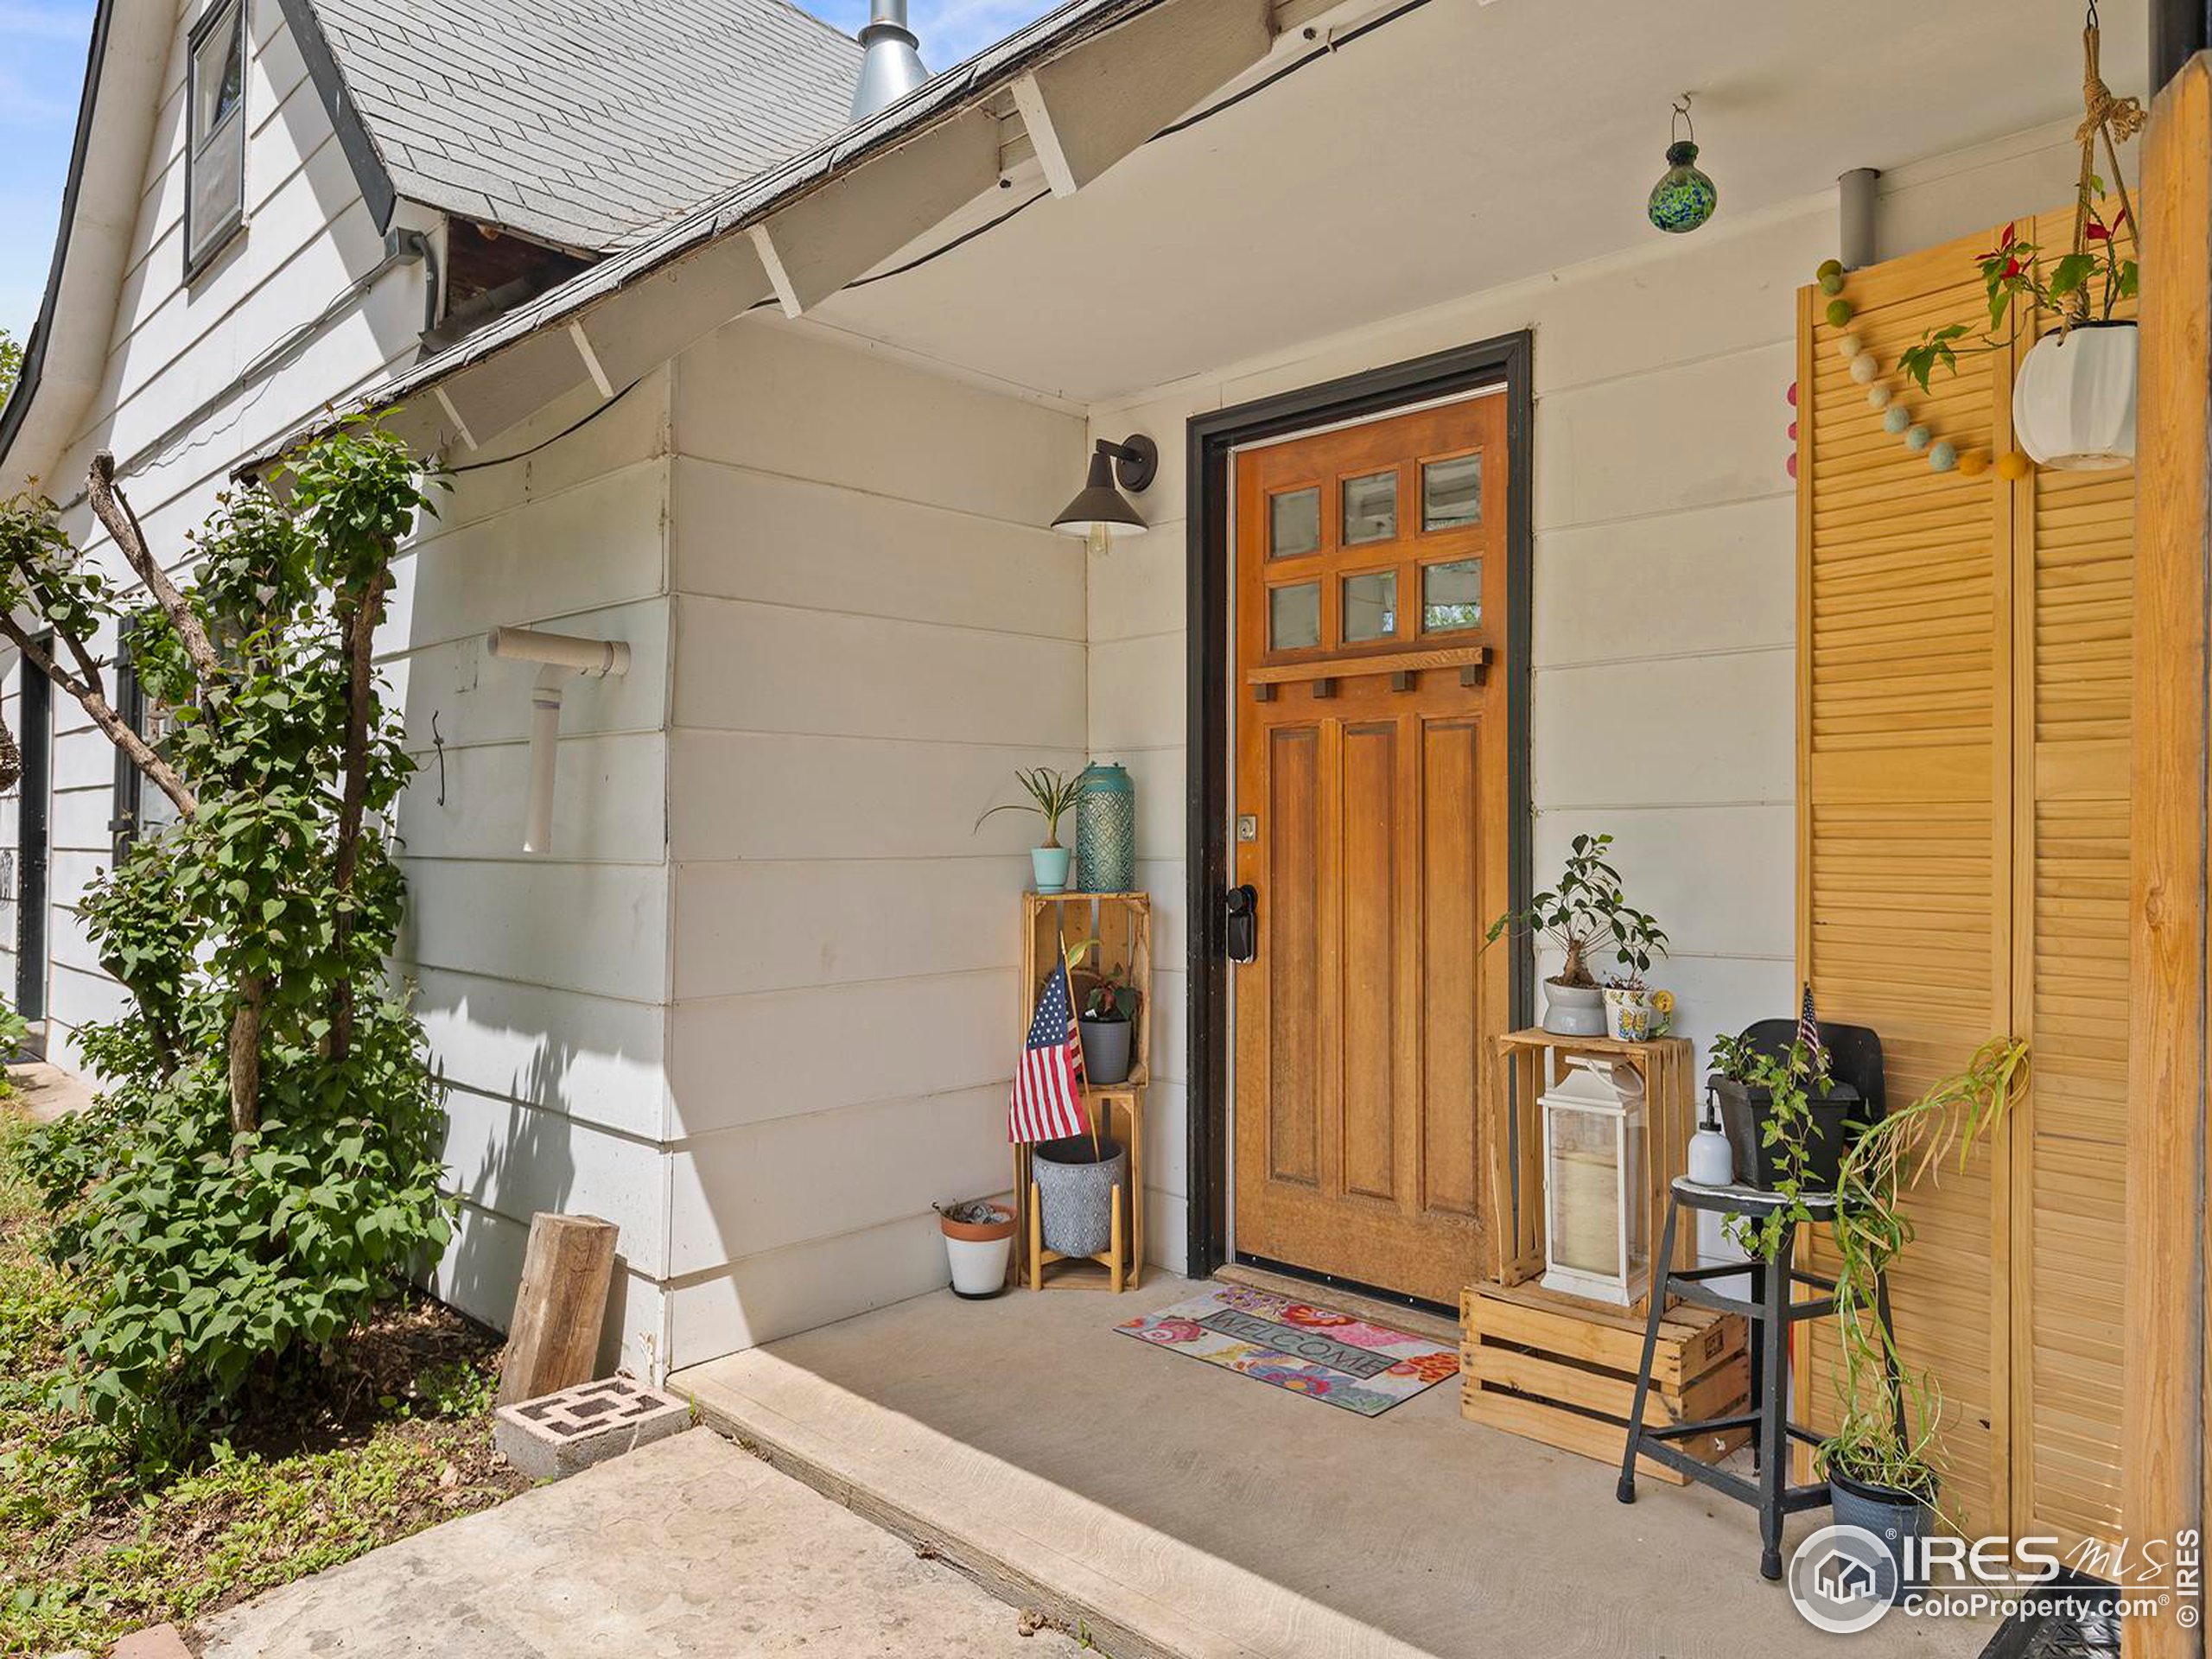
column 1588, row 905
column 201, row 1257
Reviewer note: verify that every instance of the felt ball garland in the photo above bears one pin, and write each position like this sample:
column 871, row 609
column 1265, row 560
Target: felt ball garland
column 1865, row 369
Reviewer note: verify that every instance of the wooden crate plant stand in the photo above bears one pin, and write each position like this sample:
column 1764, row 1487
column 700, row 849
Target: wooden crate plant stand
column 1564, row 1372
column 1121, row 924
column 1526, row 1065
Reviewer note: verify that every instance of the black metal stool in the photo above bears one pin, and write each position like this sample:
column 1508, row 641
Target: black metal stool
column 1772, row 1309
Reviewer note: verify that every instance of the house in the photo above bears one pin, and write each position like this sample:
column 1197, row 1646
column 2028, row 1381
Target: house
column 1377, row 283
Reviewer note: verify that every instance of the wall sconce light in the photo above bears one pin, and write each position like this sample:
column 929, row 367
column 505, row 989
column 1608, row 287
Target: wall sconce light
column 1101, row 513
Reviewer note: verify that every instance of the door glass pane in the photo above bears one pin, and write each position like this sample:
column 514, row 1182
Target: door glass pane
column 1294, row 523
column 1452, row 492
column 1294, row 616
column 1371, row 605
column 1452, row 595
column 1370, row 508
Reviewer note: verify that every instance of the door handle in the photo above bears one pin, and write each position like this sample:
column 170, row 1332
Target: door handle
column 1239, row 923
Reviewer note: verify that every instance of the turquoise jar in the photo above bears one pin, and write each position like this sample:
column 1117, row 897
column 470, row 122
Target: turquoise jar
column 1106, row 830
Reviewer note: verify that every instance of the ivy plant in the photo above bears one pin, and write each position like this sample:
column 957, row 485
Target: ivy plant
column 1790, row 1080
column 262, row 1164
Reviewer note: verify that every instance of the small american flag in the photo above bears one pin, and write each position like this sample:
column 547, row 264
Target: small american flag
column 1808, row 1029
column 1047, row 1102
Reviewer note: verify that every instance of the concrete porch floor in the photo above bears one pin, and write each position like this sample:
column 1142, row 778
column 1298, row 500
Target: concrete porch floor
column 1178, row 1509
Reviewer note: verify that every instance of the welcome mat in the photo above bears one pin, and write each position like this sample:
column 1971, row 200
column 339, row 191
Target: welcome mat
column 1295, row 1345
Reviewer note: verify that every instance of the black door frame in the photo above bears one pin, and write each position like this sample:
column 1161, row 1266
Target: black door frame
column 1504, row 361
column 34, row 716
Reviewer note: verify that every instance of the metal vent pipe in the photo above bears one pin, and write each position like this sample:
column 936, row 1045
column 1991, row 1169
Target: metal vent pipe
column 891, row 66
column 1858, row 193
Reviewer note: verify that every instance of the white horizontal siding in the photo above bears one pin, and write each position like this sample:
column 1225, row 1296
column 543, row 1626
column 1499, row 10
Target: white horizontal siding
column 873, row 631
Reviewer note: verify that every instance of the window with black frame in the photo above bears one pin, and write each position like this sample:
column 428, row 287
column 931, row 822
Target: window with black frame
column 141, row 809
column 214, row 152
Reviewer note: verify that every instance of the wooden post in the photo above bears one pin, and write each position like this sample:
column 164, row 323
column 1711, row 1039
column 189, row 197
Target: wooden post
column 553, row 1340
column 2163, row 1430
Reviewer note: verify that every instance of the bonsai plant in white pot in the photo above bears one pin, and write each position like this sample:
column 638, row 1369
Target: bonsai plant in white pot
column 1585, row 910
column 1051, row 798
column 978, row 1243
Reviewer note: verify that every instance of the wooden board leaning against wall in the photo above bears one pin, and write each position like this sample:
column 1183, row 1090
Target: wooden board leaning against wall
column 1963, row 741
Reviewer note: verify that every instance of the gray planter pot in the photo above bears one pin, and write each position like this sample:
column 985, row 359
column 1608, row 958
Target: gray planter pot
column 1075, row 1192
column 1105, row 1048
column 1892, row 1518
column 1574, row 1010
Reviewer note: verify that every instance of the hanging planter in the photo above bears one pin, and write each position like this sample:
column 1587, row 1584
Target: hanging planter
column 2073, row 401
column 2073, row 396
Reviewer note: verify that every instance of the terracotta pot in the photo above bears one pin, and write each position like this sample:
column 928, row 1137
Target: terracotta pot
column 978, row 1252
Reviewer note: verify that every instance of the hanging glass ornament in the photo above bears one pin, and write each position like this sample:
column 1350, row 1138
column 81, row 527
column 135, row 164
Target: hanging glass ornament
column 1684, row 198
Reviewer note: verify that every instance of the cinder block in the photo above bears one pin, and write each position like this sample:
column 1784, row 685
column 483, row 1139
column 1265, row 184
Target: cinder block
column 555, row 1434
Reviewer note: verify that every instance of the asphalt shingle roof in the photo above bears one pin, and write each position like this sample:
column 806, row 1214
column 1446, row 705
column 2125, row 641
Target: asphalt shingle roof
column 588, row 123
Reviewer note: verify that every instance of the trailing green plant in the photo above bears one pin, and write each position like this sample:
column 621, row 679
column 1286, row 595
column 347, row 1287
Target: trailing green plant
column 1586, row 908
column 262, row 1164
column 1790, row 1080
column 1051, row 798
column 1890, row 1431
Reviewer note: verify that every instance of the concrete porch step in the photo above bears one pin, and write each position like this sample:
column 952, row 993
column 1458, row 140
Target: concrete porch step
column 1174, row 1511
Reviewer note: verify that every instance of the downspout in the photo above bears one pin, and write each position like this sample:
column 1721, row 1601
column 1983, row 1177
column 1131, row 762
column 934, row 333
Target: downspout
column 1857, row 195
column 562, row 655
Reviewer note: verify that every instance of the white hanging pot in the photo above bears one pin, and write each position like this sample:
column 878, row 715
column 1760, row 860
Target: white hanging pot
column 2073, row 403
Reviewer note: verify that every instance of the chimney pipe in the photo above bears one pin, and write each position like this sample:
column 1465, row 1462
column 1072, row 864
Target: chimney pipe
column 890, row 65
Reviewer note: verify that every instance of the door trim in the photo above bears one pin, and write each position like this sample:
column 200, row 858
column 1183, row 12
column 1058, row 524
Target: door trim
column 1504, row 361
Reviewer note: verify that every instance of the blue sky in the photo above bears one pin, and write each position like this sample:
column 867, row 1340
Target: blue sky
column 42, row 68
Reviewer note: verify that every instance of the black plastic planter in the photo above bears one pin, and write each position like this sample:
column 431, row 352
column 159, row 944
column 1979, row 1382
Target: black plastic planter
column 1744, row 1113
column 1855, row 1057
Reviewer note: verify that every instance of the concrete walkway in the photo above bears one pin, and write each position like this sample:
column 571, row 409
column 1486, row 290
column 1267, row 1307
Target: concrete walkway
column 688, row 1547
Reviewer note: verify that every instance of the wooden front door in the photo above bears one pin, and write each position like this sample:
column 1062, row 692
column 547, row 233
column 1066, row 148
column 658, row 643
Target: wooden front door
column 1372, row 808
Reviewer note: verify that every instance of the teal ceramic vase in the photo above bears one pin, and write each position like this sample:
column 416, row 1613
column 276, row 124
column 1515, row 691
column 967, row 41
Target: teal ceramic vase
column 1106, row 830
column 1050, row 866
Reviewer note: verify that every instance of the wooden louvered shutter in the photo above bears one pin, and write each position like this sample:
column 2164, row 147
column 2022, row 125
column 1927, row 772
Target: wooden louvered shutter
column 1904, row 652
column 1963, row 740
column 2073, row 563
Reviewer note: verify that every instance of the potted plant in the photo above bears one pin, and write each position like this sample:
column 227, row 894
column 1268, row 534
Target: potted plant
column 2073, row 397
column 1051, row 798
column 1106, row 1025
column 1634, row 1013
column 1881, row 1462
column 1586, row 908
column 1781, row 1143
column 978, row 1242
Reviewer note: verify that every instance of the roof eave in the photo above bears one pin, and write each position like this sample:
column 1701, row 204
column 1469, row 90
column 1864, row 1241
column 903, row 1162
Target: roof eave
column 934, row 150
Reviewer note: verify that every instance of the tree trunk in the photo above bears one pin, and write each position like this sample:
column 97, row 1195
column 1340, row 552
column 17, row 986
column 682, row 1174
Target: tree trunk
column 246, row 1055
column 360, row 668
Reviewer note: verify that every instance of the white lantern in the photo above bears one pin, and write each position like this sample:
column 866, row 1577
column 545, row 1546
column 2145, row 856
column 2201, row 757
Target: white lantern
column 2073, row 403
column 1594, row 1242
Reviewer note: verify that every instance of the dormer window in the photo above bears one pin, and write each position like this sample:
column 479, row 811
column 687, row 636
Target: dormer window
column 215, row 154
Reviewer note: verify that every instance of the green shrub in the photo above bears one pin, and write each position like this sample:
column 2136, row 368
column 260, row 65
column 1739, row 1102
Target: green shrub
column 262, row 1166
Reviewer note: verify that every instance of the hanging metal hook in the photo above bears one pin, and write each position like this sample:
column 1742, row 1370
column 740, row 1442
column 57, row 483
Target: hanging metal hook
column 1683, row 119
column 438, row 742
